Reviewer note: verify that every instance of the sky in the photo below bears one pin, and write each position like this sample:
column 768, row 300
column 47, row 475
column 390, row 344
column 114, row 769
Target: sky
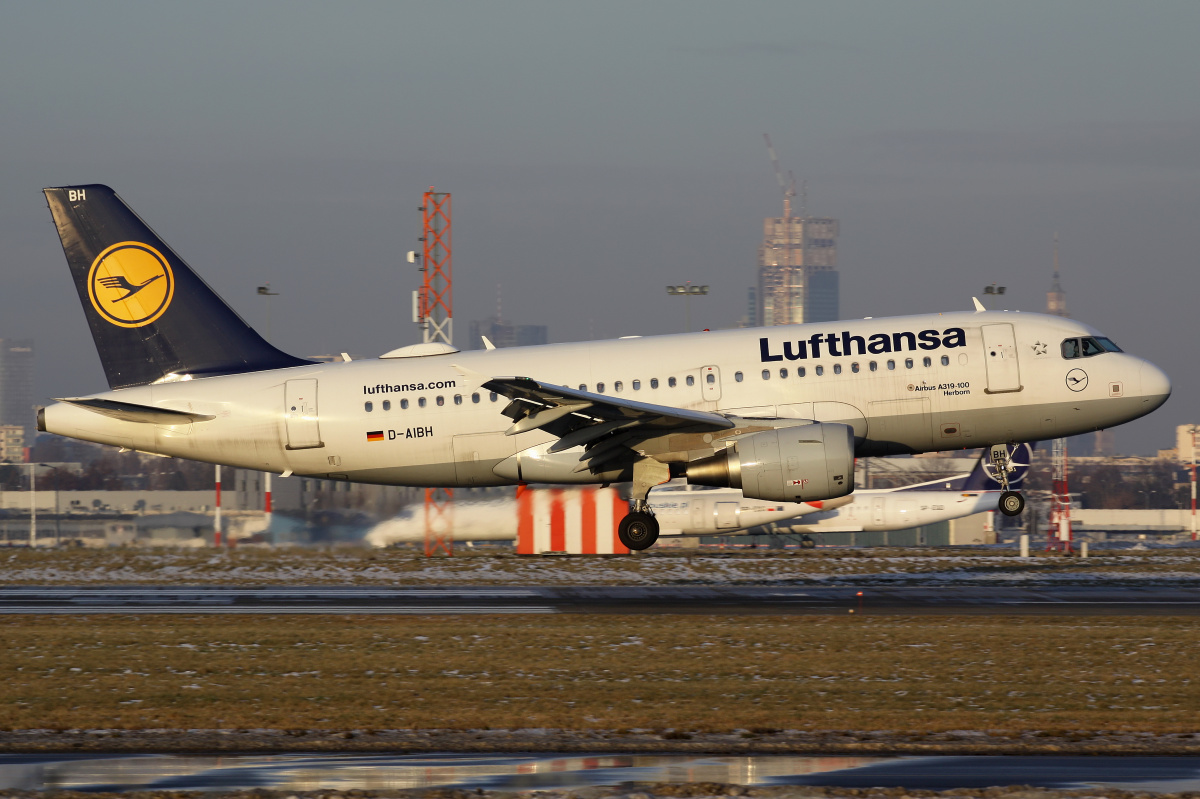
column 599, row 152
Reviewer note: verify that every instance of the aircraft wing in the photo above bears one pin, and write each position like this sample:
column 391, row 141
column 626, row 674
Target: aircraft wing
column 607, row 427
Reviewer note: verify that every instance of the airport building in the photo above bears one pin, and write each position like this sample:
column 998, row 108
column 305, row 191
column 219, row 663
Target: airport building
column 16, row 384
column 797, row 272
column 12, row 443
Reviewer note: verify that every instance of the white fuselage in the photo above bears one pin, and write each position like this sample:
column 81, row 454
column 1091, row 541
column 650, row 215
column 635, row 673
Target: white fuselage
column 426, row 421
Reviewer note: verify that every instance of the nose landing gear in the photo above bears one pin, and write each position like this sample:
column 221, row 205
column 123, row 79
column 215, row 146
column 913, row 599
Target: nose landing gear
column 1011, row 502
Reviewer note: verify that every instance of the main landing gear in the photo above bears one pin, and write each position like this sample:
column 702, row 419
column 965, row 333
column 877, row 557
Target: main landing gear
column 1011, row 502
column 639, row 529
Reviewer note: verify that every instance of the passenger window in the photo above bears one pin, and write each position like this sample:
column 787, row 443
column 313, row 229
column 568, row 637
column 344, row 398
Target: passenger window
column 710, row 378
column 1070, row 348
column 368, row 407
column 654, row 382
column 799, row 371
column 737, row 377
column 637, row 385
column 891, row 365
column 493, row 396
column 691, row 381
column 475, row 398
column 927, row 361
column 458, row 399
column 387, row 405
column 617, row 386
column 421, row 402
column 908, row 364
column 670, row 382
column 854, row 367
column 874, row 366
column 837, row 368
column 820, row 370
column 583, row 386
column 783, row 373
column 599, row 388
column 945, row 360
column 441, row 401
column 766, row 374
column 404, row 404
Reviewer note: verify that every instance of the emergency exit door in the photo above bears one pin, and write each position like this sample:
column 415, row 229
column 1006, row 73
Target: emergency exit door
column 300, row 415
column 1000, row 356
column 710, row 383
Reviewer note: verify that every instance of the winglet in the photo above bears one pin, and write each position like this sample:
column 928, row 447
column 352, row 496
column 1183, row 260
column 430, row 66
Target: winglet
column 487, row 345
column 978, row 305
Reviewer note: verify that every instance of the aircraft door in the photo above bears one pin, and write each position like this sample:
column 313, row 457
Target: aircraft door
column 300, row 414
column 1000, row 355
column 877, row 510
column 700, row 519
column 710, row 383
column 727, row 513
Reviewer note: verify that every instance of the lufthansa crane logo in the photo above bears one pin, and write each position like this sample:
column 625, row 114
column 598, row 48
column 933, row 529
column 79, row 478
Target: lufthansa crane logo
column 130, row 284
column 1077, row 380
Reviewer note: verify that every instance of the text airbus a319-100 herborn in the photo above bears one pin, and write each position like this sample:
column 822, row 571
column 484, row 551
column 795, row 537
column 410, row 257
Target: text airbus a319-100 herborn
column 780, row 413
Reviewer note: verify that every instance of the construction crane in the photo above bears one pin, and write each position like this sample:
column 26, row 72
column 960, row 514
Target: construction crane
column 789, row 186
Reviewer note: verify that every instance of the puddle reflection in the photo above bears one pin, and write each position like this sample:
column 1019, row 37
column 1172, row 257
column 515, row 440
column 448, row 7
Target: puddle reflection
column 382, row 772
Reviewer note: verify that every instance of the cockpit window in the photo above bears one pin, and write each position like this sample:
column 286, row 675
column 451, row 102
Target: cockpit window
column 1087, row 347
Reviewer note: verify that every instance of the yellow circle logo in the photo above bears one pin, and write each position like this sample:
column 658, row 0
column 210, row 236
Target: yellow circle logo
column 130, row 284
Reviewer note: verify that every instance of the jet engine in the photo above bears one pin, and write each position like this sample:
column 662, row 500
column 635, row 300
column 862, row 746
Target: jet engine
column 791, row 464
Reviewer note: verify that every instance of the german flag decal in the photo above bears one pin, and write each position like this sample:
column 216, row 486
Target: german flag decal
column 377, row 435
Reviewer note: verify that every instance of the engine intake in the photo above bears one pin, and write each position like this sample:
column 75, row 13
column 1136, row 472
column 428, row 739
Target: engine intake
column 792, row 464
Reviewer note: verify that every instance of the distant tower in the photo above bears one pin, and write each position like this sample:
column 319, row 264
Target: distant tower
column 797, row 263
column 16, row 385
column 1056, row 298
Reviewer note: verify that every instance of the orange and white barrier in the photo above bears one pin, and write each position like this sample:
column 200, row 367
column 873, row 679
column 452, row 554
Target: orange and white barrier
column 579, row 521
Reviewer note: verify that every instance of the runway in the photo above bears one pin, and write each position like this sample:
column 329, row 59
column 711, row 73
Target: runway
column 531, row 772
column 720, row 599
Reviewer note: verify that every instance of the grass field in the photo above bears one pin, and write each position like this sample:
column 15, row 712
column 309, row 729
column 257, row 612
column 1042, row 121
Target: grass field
column 700, row 674
column 353, row 566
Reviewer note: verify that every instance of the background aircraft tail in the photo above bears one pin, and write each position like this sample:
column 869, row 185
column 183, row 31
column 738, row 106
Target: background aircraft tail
column 983, row 476
column 150, row 314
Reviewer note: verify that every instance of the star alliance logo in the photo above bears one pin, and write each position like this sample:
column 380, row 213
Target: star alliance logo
column 1039, row 348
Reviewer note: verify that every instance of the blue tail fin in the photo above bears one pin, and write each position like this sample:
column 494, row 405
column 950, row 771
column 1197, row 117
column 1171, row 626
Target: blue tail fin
column 150, row 314
column 983, row 476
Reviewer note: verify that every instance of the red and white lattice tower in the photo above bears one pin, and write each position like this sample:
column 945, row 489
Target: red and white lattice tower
column 436, row 316
column 1058, row 533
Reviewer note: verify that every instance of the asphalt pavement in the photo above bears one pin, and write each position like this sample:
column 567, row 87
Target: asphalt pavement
column 700, row 599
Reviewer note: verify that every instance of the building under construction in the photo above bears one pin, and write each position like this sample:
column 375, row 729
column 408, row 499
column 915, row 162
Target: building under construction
column 797, row 271
column 797, row 264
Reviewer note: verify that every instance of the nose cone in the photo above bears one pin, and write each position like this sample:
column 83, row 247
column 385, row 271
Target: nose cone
column 1155, row 385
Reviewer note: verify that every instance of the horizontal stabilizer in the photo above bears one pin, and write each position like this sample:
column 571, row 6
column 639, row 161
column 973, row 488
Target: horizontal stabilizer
column 131, row 412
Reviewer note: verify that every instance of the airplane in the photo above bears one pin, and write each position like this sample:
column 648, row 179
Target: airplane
column 688, row 510
column 780, row 413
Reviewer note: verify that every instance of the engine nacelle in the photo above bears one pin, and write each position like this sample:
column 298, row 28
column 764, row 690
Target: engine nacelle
column 792, row 464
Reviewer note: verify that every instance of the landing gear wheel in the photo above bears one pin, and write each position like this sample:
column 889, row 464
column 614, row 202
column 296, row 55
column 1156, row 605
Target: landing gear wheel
column 806, row 542
column 638, row 530
column 1011, row 503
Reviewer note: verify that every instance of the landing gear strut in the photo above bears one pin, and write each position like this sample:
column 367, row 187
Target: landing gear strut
column 1011, row 502
column 639, row 529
